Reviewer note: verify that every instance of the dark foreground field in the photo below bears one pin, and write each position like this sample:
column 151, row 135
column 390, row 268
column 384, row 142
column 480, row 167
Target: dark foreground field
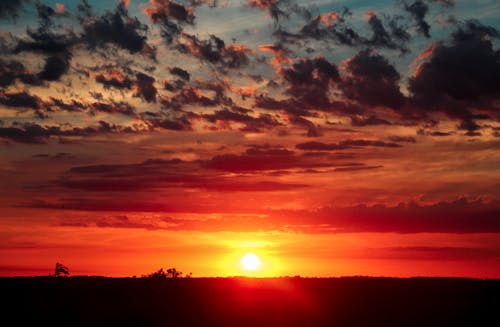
column 356, row 301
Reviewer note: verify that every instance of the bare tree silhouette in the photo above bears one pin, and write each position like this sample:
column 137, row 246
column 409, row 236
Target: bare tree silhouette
column 61, row 270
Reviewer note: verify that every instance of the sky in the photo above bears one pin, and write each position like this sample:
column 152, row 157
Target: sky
column 329, row 138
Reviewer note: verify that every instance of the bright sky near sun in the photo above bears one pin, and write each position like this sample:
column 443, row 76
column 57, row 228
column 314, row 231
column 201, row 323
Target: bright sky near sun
column 326, row 138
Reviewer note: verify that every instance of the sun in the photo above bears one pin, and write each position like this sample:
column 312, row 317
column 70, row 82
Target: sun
column 250, row 262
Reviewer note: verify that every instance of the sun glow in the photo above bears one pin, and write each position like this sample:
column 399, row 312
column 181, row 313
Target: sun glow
column 250, row 262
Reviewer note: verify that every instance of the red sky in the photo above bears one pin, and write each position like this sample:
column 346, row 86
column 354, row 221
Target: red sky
column 327, row 140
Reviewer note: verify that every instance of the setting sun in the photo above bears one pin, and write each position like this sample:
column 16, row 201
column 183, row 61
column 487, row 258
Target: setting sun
column 250, row 262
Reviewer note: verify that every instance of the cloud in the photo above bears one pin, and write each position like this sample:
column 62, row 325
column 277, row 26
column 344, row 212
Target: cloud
column 272, row 6
column 380, row 36
column 145, row 88
column 368, row 121
column 310, row 80
column 114, row 107
column 280, row 53
column 171, row 16
column 261, row 160
column 30, row 133
column 459, row 216
column 371, row 80
column 343, row 145
column 332, row 26
column 112, row 78
column 164, row 174
column 402, row 139
column 10, row 8
column 115, row 27
column 252, row 124
column 181, row 73
column 418, row 9
column 20, row 100
column 13, row 70
column 214, row 50
column 178, row 124
column 55, row 67
column 461, row 76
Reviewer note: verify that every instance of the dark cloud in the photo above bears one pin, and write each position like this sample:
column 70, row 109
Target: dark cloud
column 113, row 78
column 190, row 95
column 335, row 26
column 371, row 80
column 171, row 16
column 115, row 107
column 380, row 36
column 20, row 100
column 10, row 8
column 332, row 26
column 55, row 67
column 214, row 50
column 47, row 42
column 402, row 139
column 251, row 124
column 310, row 80
column 368, row 121
column 181, row 73
column 182, row 123
column 455, row 78
column 343, row 145
column 254, row 160
column 115, row 27
column 145, row 88
column 13, row 70
column 158, row 174
column 418, row 9
column 291, row 106
column 30, row 133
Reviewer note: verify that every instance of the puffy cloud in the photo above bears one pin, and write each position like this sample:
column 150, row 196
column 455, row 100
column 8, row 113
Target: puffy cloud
column 55, row 67
column 310, row 80
column 115, row 27
column 371, row 80
column 455, row 78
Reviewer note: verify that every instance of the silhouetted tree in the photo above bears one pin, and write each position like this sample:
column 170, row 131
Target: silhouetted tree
column 61, row 270
column 173, row 273
column 162, row 274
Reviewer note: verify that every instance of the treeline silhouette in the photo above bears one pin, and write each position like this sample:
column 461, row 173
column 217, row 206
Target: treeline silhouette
column 294, row 301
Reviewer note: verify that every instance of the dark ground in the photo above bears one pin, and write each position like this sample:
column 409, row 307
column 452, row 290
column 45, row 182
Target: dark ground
column 349, row 301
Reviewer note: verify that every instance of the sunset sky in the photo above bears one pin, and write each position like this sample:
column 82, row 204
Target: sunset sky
column 329, row 138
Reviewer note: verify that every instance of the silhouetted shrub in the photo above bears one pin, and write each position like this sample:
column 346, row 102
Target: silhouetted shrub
column 162, row 274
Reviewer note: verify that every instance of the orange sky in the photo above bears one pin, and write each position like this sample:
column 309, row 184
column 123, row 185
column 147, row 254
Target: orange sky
column 329, row 142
